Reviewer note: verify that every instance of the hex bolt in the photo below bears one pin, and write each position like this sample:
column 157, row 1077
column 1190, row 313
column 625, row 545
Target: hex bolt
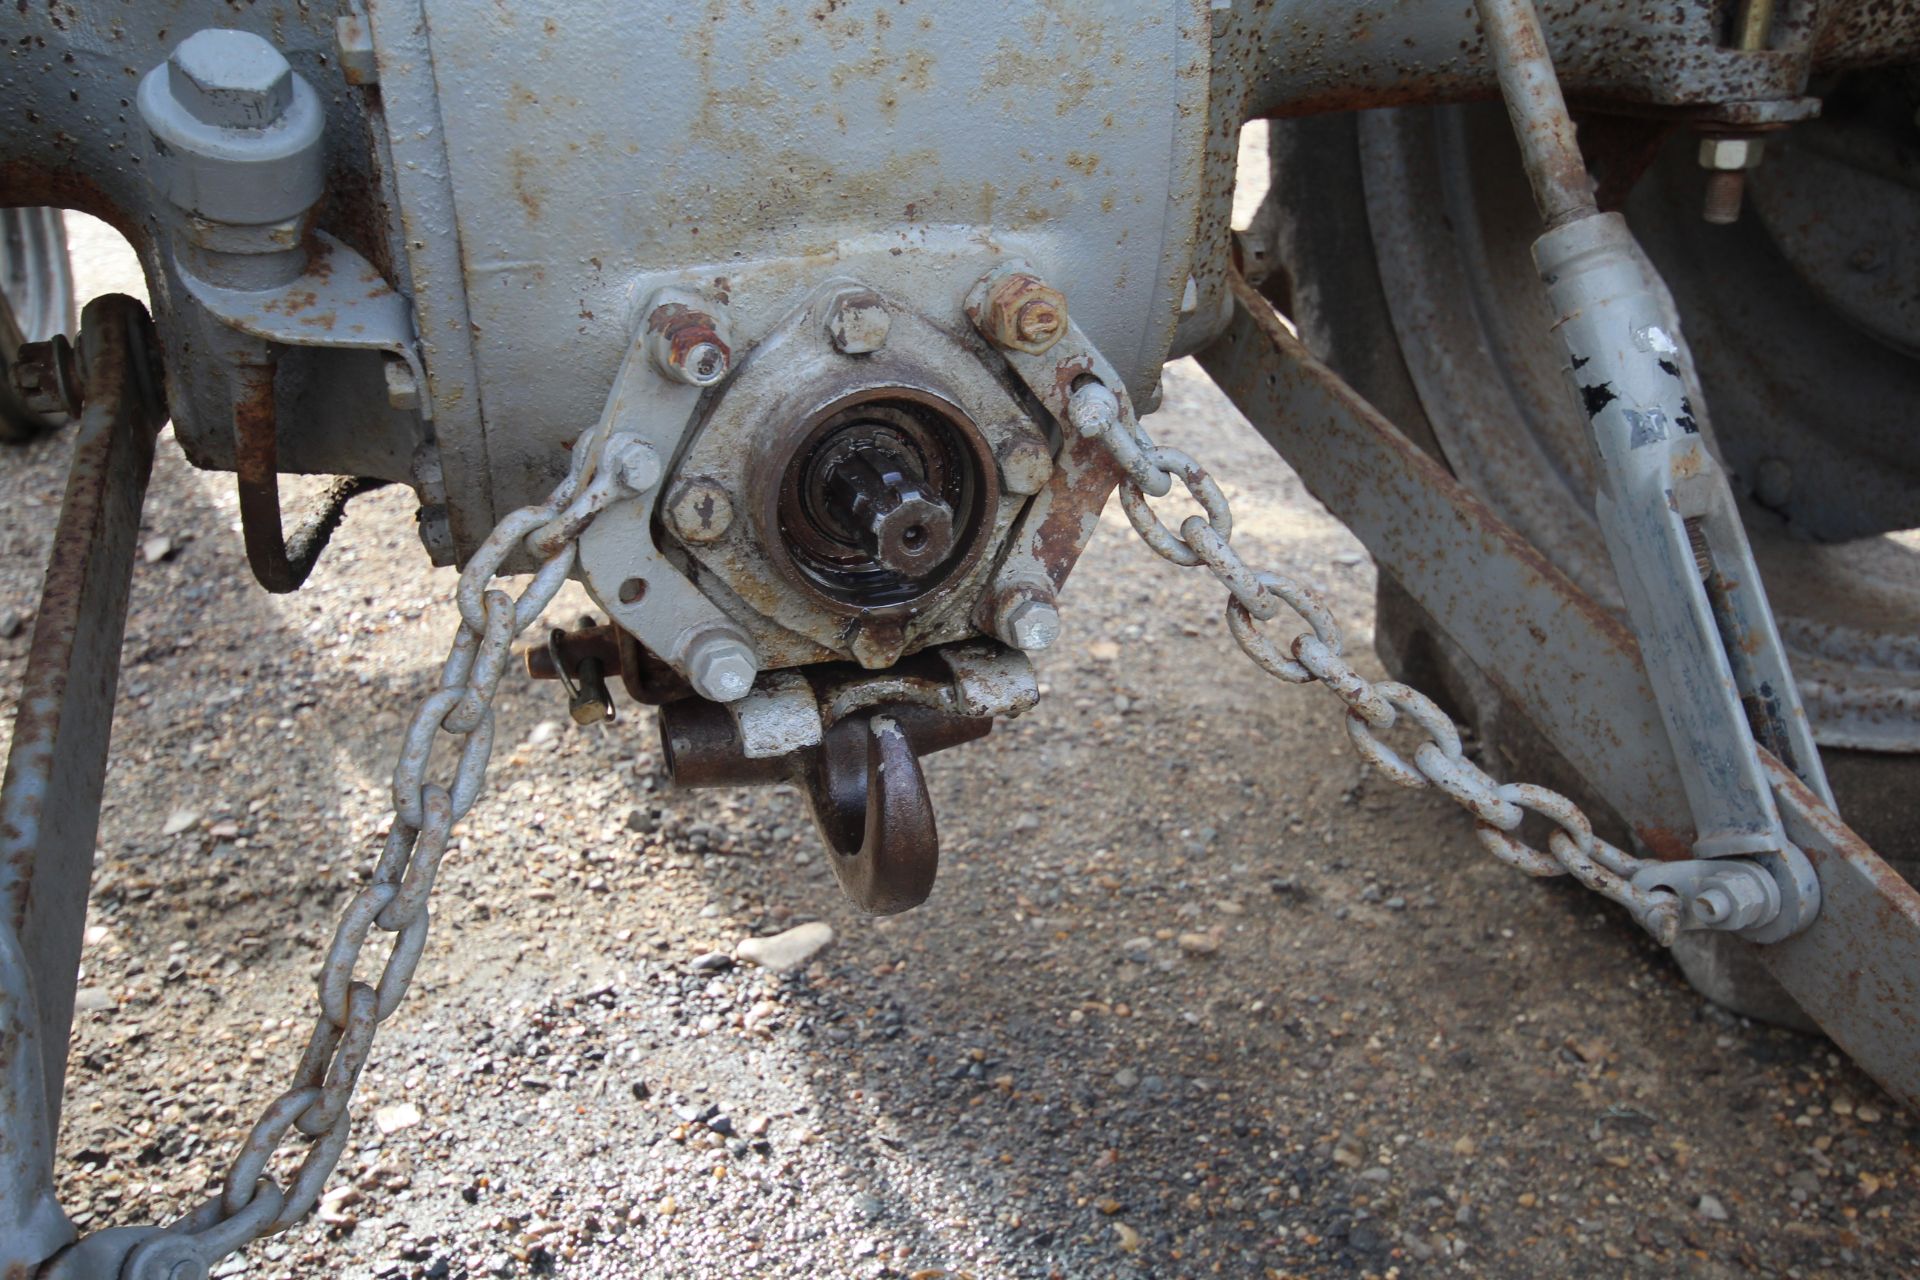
column 1023, row 313
column 1025, row 463
column 687, row 339
column 857, row 322
column 636, row 465
column 721, row 666
column 233, row 79
column 700, row 510
column 1025, row 617
column 47, row 376
column 1726, row 160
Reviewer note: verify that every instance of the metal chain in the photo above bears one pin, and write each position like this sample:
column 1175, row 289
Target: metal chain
column 1317, row 654
column 251, row 1203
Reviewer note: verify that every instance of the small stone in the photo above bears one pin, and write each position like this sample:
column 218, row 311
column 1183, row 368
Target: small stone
column 1347, row 1154
column 180, row 820
column 1108, row 1205
column 401, row 1115
column 1379, row 1173
column 92, row 1000
column 1867, row 1113
column 1711, row 1209
column 1198, row 944
column 639, row 819
column 156, row 548
column 11, row 624
column 543, row 733
column 867, row 1207
column 1463, row 1146
column 1126, row 1078
column 786, row 951
column 1528, row 1200
column 1129, row 1238
column 712, row 962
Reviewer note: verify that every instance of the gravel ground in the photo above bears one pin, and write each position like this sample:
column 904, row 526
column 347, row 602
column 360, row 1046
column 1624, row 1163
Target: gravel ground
column 1195, row 994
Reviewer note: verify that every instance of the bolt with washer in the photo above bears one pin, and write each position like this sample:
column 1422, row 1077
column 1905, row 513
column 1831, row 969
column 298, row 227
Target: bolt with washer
column 1023, row 313
column 700, row 510
column 721, row 667
column 857, row 322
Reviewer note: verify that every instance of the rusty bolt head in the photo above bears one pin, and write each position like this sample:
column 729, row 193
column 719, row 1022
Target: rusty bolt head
column 1025, row 465
column 687, row 343
column 857, row 322
column 700, row 510
column 47, row 376
column 233, row 79
column 1724, row 154
column 1023, row 313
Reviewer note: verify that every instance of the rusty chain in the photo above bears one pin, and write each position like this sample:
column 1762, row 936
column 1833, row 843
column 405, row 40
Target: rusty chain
column 251, row 1203
column 1318, row 654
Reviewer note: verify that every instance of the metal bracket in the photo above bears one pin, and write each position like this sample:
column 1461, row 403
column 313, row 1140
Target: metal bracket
column 1773, row 896
column 623, row 567
column 340, row 300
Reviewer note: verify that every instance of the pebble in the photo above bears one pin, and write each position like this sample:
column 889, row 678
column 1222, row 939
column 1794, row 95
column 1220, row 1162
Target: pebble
column 401, row 1115
column 1711, row 1209
column 11, row 624
column 92, row 1000
column 156, row 548
column 1199, row 944
column 712, row 962
column 786, row 951
column 1126, row 1078
column 180, row 820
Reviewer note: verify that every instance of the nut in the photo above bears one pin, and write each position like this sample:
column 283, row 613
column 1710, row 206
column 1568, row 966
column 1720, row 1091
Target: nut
column 721, row 667
column 699, row 510
column 1025, row 465
column 47, row 376
column 1727, row 154
column 233, row 79
column 687, row 341
column 1739, row 897
column 1023, row 313
column 857, row 322
column 403, row 389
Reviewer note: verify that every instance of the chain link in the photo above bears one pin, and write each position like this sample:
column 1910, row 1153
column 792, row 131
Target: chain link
column 251, row 1203
column 1317, row 654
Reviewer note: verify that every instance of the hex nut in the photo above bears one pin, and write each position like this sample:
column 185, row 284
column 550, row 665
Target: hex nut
column 857, row 322
column 403, row 388
column 700, row 510
column 47, row 377
column 1026, row 463
column 233, row 79
column 688, row 343
column 1730, row 154
column 236, row 134
column 1023, row 313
